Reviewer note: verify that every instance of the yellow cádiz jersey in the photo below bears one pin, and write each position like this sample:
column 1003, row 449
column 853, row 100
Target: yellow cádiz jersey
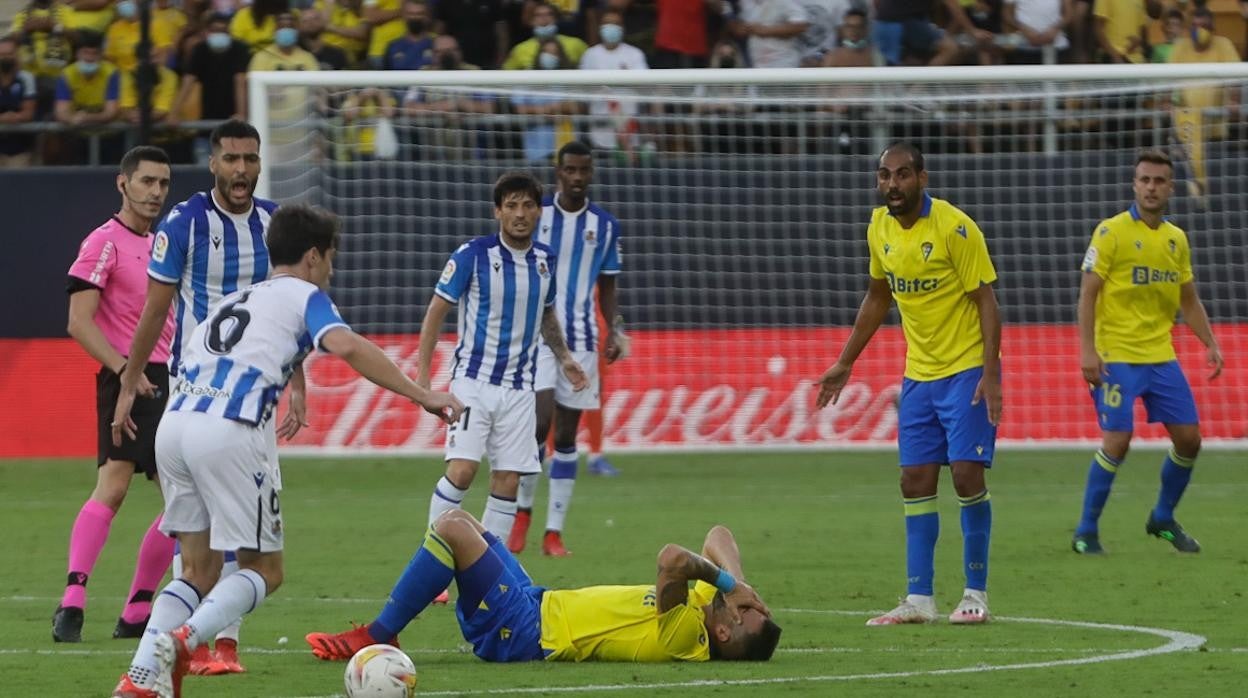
column 930, row 268
column 1143, row 270
column 622, row 624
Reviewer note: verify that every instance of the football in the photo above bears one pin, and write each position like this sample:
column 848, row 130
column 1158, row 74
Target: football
column 380, row 671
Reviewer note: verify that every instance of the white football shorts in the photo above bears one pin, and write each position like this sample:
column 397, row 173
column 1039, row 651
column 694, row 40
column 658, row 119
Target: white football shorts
column 549, row 376
column 498, row 423
column 220, row 475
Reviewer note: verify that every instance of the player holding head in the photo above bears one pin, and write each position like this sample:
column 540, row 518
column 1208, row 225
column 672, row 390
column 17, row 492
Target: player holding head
column 208, row 246
column 504, row 285
column 586, row 239
column 217, row 445
column 931, row 259
column 507, row 618
column 1137, row 273
column 106, row 285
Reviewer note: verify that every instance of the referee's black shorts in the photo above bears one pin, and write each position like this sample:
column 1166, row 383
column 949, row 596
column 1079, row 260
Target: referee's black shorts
column 145, row 413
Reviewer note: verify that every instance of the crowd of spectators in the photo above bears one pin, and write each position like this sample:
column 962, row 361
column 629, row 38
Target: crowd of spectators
column 76, row 62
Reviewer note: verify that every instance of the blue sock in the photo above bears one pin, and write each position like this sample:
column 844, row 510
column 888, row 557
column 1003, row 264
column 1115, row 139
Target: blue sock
column 922, row 530
column 426, row 576
column 976, row 532
column 1100, row 479
column 1176, row 472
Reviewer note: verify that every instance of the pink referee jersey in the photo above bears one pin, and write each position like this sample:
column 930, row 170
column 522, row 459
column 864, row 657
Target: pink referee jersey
column 113, row 258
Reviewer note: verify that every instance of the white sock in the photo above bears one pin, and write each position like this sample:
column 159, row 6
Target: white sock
column 446, row 496
column 528, row 490
column 171, row 608
column 230, row 632
column 231, row 599
column 562, row 480
column 499, row 516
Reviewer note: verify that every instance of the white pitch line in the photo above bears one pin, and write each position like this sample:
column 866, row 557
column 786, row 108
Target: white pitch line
column 1176, row 641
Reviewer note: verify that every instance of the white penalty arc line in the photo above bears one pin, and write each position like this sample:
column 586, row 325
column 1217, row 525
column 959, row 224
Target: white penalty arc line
column 1176, row 641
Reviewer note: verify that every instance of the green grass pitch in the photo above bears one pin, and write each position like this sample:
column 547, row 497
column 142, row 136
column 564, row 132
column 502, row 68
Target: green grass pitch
column 821, row 536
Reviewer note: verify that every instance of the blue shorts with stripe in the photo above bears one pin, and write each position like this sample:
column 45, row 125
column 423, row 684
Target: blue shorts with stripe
column 936, row 422
column 500, row 609
column 1163, row 388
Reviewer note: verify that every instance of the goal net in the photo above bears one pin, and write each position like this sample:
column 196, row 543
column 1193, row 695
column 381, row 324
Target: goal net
column 743, row 198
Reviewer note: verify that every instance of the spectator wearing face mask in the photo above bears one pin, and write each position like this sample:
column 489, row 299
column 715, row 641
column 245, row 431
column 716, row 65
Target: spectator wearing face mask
column 285, row 52
column 122, row 36
column 413, row 50
column 311, row 39
column 89, row 87
column 614, row 124
column 218, row 68
column 547, row 135
column 17, row 105
column 545, row 28
column 256, row 24
column 854, row 49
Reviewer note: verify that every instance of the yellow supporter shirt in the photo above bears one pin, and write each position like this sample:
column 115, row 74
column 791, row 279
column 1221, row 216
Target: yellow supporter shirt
column 383, row 34
column 1143, row 270
column 119, row 44
column 362, row 134
column 273, row 59
column 1123, row 19
column 621, row 624
column 345, row 18
column 94, row 20
column 930, row 268
column 163, row 94
column 47, row 54
column 244, row 28
column 89, row 94
column 525, row 52
column 166, row 25
column 1220, row 50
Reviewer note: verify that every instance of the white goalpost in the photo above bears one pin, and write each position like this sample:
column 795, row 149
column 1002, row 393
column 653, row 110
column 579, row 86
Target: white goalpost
column 743, row 197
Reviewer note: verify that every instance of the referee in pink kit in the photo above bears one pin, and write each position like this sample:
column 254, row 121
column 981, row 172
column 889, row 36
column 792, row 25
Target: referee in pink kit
column 107, row 287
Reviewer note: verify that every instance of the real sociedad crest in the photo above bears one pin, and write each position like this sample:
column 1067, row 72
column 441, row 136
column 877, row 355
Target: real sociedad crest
column 591, row 235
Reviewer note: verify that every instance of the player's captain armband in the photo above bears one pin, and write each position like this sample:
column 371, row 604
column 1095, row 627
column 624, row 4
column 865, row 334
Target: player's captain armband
column 1089, row 259
column 448, row 272
column 160, row 246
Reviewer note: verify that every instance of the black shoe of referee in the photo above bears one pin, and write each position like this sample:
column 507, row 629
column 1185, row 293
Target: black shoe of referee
column 67, row 624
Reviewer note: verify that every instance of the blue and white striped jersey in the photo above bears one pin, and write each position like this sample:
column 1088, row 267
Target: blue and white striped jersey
column 208, row 253
column 587, row 244
column 239, row 359
column 501, row 294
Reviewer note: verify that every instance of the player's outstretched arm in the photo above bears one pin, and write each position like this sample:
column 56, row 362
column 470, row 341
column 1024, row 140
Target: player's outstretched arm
column 678, row 566
column 989, row 388
column 1089, row 361
column 871, row 315
column 1196, row 318
column 146, row 334
column 371, row 362
column 553, row 334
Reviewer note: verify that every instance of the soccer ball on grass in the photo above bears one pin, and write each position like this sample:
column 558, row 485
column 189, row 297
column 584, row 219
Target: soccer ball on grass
column 380, row 671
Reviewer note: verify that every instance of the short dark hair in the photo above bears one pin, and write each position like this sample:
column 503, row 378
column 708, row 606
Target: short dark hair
column 916, row 155
column 234, row 128
column 573, row 148
column 297, row 228
column 217, row 17
column 1174, row 13
column 90, row 39
column 517, row 183
column 1202, row 10
column 856, row 12
column 760, row 646
column 1154, row 156
column 144, row 153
